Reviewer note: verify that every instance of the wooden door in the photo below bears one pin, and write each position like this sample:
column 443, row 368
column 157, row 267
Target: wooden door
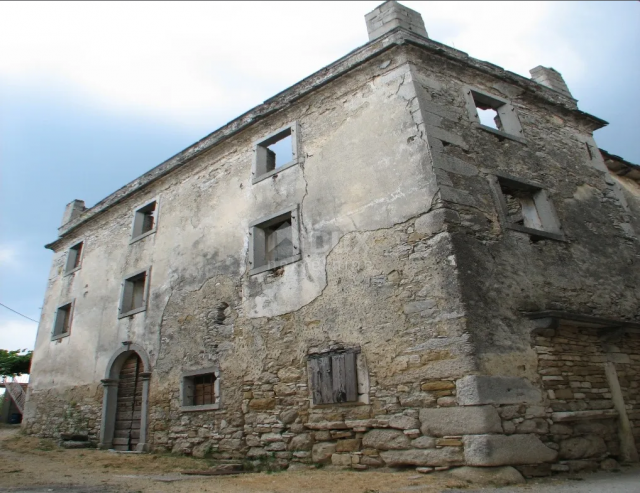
column 128, row 412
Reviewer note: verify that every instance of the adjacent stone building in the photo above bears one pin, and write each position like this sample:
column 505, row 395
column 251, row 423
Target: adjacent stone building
column 364, row 271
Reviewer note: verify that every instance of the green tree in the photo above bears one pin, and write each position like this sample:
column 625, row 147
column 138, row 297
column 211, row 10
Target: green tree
column 14, row 363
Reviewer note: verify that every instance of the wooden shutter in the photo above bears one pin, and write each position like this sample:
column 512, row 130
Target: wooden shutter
column 321, row 386
column 334, row 378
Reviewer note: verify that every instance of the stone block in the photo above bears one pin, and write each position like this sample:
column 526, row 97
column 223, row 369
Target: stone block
column 501, row 450
column 582, row 447
column 474, row 390
column 304, row 441
column 498, row 476
column 341, row 460
column 418, row 306
column 371, row 461
column 262, row 404
column 349, row 445
column 321, row 452
column 447, row 456
column 288, row 416
column 460, row 421
column 435, row 222
column 537, row 425
column 424, row 442
column 403, row 422
column 438, row 385
column 386, row 440
column 418, row 399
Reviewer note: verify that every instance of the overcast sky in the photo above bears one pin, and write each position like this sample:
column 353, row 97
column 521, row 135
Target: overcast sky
column 94, row 94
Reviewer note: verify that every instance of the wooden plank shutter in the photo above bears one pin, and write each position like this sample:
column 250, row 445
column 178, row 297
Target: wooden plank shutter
column 321, row 386
column 343, row 373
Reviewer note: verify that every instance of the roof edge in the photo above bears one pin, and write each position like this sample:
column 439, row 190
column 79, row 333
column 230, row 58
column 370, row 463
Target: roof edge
column 396, row 37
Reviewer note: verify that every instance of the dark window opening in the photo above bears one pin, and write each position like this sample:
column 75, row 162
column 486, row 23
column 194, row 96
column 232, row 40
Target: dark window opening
column 73, row 260
column 278, row 241
column 133, row 296
column 62, row 323
column 200, row 390
column 204, row 390
column 521, row 207
column 145, row 220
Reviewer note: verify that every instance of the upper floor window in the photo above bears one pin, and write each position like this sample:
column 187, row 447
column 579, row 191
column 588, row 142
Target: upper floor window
column 276, row 152
column 135, row 290
column 74, row 258
column 274, row 241
column 525, row 206
column 62, row 322
column 145, row 221
column 493, row 113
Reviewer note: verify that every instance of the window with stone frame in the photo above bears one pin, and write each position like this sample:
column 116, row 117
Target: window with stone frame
column 74, row 258
column 493, row 113
column 201, row 389
column 134, row 293
column 62, row 322
column 525, row 206
column 145, row 221
column 334, row 377
column 274, row 241
column 275, row 153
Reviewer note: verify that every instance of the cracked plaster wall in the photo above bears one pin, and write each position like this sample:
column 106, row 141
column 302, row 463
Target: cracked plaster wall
column 373, row 272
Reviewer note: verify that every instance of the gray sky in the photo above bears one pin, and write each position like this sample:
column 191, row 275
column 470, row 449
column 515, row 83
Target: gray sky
column 93, row 94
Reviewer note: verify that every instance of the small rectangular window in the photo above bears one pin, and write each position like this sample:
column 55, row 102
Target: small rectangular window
column 144, row 221
column 494, row 114
column 134, row 294
column 333, row 378
column 275, row 153
column 526, row 207
column 201, row 390
column 74, row 258
column 274, row 241
column 62, row 323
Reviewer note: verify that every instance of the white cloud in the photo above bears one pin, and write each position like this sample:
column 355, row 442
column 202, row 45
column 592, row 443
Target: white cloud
column 9, row 257
column 195, row 61
column 17, row 334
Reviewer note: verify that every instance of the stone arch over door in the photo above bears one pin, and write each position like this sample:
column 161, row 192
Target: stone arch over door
column 110, row 399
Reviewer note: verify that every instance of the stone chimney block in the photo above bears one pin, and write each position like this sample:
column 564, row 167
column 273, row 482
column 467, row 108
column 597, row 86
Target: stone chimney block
column 390, row 15
column 73, row 210
column 551, row 78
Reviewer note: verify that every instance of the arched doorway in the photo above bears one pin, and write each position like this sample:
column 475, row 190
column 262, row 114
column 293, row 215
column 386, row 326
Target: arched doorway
column 126, row 435
column 125, row 402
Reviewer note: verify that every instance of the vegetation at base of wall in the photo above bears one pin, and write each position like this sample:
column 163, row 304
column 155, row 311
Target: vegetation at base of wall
column 14, row 363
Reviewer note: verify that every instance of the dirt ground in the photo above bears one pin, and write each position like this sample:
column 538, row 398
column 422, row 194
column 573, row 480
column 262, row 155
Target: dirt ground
column 36, row 465
column 32, row 465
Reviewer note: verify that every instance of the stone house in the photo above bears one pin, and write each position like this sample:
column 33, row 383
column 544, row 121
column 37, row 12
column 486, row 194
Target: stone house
column 363, row 271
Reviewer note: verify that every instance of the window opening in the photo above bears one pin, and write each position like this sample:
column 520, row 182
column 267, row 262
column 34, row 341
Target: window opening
column 74, row 257
column 521, row 207
column 145, row 219
column 279, row 153
column 62, row 323
column 204, row 391
column 487, row 109
column 133, row 296
column 278, row 242
column 275, row 153
column 201, row 389
column 274, row 241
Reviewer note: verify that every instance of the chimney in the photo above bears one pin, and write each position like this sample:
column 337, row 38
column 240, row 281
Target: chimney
column 73, row 210
column 390, row 15
column 551, row 78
